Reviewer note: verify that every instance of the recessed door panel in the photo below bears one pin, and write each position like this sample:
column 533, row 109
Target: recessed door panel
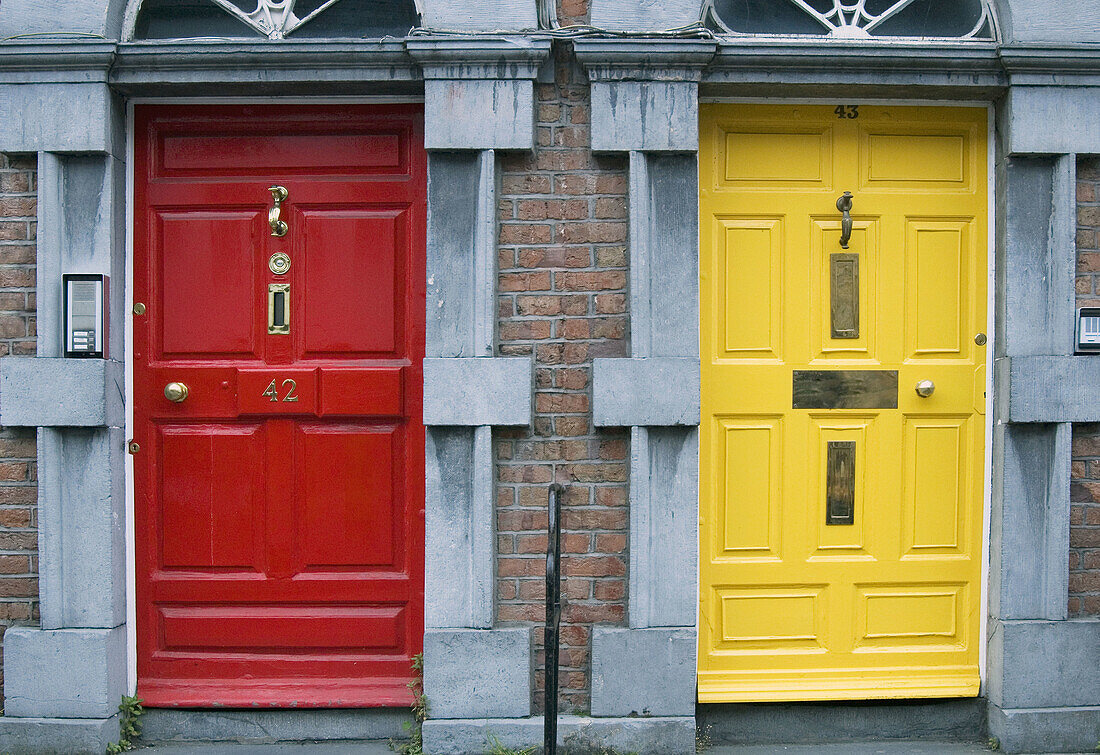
column 205, row 290
column 277, row 380
column 841, row 444
column 353, row 305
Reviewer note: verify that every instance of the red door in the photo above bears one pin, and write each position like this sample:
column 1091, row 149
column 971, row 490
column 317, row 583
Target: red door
column 277, row 381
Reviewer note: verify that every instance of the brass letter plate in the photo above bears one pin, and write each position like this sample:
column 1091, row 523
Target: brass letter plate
column 844, row 295
column 278, row 308
column 840, row 482
column 845, row 389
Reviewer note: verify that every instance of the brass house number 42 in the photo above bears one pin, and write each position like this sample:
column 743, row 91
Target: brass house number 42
column 288, row 385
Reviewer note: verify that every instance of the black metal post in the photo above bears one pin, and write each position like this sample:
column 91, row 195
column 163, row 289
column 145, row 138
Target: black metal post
column 553, row 618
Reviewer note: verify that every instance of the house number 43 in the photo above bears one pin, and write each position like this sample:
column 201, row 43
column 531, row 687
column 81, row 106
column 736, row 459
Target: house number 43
column 273, row 394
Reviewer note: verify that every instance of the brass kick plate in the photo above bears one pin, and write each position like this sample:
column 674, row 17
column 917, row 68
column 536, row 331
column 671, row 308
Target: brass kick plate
column 278, row 308
column 845, row 389
column 840, row 482
column 844, row 295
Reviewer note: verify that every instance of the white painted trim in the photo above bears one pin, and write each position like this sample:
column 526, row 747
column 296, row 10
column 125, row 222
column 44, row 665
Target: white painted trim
column 991, row 335
column 128, row 366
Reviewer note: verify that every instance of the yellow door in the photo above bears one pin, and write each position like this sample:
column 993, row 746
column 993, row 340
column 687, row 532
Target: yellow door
column 841, row 511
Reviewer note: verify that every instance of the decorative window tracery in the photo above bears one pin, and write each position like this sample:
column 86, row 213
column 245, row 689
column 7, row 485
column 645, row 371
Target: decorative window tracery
column 854, row 19
column 274, row 19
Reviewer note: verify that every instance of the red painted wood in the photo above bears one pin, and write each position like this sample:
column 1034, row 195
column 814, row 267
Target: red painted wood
column 280, row 544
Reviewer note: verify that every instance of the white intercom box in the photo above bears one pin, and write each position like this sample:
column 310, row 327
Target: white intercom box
column 1088, row 330
column 86, row 297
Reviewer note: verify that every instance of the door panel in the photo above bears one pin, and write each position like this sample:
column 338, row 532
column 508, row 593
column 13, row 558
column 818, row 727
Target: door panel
column 279, row 505
column 841, row 552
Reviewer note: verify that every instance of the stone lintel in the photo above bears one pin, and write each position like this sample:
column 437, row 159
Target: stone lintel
column 478, row 391
column 643, row 672
column 58, row 392
column 57, row 736
column 630, row 59
column 487, row 15
column 478, row 57
column 1051, row 389
column 64, row 673
column 645, row 392
column 472, row 673
column 672, row 735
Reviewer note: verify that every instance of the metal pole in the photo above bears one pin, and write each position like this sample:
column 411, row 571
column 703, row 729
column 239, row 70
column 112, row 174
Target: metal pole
column 553, row 618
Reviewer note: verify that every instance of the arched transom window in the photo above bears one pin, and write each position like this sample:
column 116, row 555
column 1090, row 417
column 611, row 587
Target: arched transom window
column 854, row 19
column 274, row 19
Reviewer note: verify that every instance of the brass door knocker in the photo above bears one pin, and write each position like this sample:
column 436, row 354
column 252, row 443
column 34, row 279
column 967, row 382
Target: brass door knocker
column 844, row 204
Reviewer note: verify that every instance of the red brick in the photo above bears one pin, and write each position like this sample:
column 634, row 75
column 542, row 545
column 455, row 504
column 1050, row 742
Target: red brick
column 593, row 519
column 19, row 587
column 18, row 518
column 18, row 207
column 14, row 183
column 594, row 281
column 13, row 471
column 601, row 613
column 538, row 281
column 15, row 611
column 14, row 564
column 16, row 277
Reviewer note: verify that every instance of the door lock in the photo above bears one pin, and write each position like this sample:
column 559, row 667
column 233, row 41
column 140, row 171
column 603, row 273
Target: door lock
column 176, row 392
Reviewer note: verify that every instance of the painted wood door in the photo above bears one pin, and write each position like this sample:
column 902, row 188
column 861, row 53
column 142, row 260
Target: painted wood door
column 279, row 501
column 841, row 510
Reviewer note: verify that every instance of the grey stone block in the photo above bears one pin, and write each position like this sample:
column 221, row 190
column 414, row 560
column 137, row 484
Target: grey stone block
column 1029, row 521
column 479, row 114
column 57, row 392
column 81, row 516
column 664, row 529
column 161, row 725
column 1047, row 21
column 472, row 673
column 64, row 673
column 643, row 672
column 1045, row 729
column 645, row 392
column 58, row 117
column 509, row 15
column 960, row 720
column 654, row 116
column 459, row 578
column 1045, row 664
column 1052, row 120
column 57, row 736
column 478, row 391
column 1053, row 389
column 644, row 15
column 93, row 17
column 576, row 734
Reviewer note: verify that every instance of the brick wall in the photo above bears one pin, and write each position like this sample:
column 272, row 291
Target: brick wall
column 1084, row 533
column 18, row 489
column 563, row 297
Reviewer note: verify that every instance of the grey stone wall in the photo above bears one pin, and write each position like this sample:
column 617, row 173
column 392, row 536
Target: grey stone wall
column 18, row 453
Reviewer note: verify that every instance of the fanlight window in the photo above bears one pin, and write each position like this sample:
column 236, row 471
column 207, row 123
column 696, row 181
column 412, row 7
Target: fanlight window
column 274, row 19
column 854, row 19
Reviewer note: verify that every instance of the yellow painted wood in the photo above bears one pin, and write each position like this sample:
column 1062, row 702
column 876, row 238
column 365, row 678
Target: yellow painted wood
column 792, row 608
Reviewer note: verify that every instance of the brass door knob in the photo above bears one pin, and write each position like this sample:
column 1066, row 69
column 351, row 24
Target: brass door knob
column 175, row 392
column 925, row 388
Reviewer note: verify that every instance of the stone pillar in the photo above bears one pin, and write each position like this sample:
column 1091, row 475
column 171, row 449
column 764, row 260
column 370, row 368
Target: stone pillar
column 645, row 103
column 63, row 681
column 1042, row 683
column 479, row 98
